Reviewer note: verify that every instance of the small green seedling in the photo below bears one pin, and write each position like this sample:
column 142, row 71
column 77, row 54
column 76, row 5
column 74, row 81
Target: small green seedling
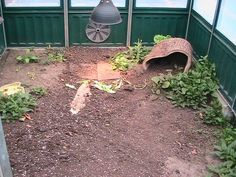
column 158, row 38
column 137, row 52
column 120, row 62
column 39, row 91
column 55, row 55
column 28, row 57
column 123, row 61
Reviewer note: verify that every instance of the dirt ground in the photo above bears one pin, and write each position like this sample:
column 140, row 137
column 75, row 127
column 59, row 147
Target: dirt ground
column 128, row 134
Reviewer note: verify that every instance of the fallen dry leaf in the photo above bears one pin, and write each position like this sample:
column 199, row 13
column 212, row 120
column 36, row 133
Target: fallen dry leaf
column 27, row 116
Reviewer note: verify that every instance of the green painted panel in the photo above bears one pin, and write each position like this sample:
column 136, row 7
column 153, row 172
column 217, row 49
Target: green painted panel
column 198, row 36
column 225, row 61
column 78, row 23
column 145, row 26
column 34, row 29
column 221, row 53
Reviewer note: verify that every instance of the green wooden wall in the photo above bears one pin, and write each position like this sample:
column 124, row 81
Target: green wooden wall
column 225, row 60
column 222, row 52
column 31, row 26
column 27, row 29
column 44, row 26
column 146, row 24
column 199, row 34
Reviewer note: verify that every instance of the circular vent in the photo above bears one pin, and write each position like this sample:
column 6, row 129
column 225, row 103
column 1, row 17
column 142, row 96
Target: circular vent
column 97, row 32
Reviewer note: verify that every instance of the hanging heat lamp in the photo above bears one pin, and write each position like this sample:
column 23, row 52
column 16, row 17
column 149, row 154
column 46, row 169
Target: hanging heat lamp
column 106, row 13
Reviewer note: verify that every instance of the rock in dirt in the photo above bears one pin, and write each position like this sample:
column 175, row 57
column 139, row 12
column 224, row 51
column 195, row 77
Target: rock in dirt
column 129, row 88
column 80, row 98
column 153, row 97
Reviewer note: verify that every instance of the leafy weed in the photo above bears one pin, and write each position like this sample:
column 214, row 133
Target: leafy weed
column 39, row 91
column 192, row 89
column 55, row 55
column 125, row 60
column 13, row 107
column 29, row 57
column 158, row 38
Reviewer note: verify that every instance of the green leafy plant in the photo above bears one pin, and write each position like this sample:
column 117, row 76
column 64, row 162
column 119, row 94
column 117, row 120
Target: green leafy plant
column 193, row 89
column 120, row 62
column 212, row 114
column 227, row 153
column 13, row 107
column 137, row 52
column 38, row 91
column 161, row 82
column 125, row 60
column 55, row 55
column 29, row 57
column 229, row 134
column 158, row 38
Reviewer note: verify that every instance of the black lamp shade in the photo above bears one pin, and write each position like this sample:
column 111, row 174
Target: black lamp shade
column 106, row 13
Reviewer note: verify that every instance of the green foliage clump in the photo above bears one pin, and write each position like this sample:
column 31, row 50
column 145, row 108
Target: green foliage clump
column 229, row 134
column 29, row 57
column 158, row 38
column 39, row 91
column 121, row 62
column 212, row 114
column 193, row 89
column 227, row 154
column 55, row 55
column 137, row 52
column 161, row 82
column 13, row 107
column 58, row 57
column 125, row 60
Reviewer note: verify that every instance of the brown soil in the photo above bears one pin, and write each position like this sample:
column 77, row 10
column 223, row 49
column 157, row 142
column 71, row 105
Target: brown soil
column 128, row 134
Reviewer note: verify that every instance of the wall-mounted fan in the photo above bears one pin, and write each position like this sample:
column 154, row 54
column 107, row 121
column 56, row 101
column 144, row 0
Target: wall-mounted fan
column 97, row 32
